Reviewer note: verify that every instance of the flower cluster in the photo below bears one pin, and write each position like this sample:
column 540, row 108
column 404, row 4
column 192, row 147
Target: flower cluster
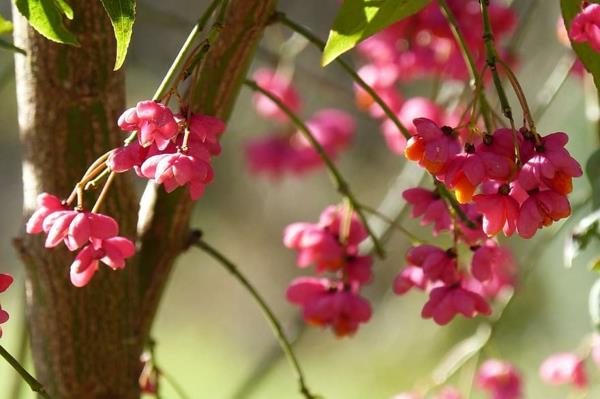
column 96, row 234
column 454, row 290
column 500, row 378
column 287, row 151
column 423, row 46
column 331, row 246
column 5, row 282
column 171, row 150
column 585, row 27
column 523, row 179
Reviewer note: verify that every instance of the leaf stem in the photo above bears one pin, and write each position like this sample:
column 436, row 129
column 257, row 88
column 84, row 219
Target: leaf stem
column 34, row 384
column 285, row 344
column 393, row 223
column 339, row 181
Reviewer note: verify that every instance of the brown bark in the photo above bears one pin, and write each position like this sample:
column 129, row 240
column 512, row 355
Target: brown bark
column 86, row 342
column 68, row 101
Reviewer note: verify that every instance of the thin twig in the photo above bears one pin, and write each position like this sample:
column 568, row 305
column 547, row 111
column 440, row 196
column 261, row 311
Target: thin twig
column 341, row 185
column 285, row 344
column 355, row 77
column 470, row 62
column 34, row 384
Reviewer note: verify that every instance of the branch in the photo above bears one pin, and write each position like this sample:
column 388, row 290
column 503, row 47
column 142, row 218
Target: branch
column 339, row 181
column 356, row 78
column 281, row 17
column 284, row 343
column 34, row 384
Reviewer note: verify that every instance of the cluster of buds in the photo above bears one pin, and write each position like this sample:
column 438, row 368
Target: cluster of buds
column 172, row 150
column 287, row 151
column 523, row 178
column 96, row 234
column 423, row 46
column 331, row 246
column 585, row 27
column 5, row 282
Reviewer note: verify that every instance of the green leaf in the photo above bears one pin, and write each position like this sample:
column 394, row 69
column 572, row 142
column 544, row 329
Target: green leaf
column 46, row 17
column 592, row 171
column 5, row 26
column 359, row 19
column 589, row 57
column 122, row 16
column 9, row 46
column 65, row 8
column 594, row 305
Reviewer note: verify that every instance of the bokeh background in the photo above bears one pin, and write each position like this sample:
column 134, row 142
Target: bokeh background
column 210, row 334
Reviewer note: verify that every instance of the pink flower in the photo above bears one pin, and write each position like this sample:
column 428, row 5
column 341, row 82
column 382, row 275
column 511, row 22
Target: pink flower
column 326, row 305
column 47, row 204
column 358, row 270
column 445, row 302
column 500, row 212
column 564, row 368
column 206, row 130
column 437, row 264
column 272, row 155
column 551, row 165
column 315, row 246
column 332, row 128
column 5, row 282
column 489, row 260
column 432, row 146
column 413, row 108
column 541, row 209
column 76, row 228
column 409, row 277
column 154, row 122
column 585, row 27
column 428, row 204
column 112, row 252
column 463, row 173
column 323, row 244
column 281, row 88
column 381, row 78
column 180, row 169
column 500, row 378
column 126, row 157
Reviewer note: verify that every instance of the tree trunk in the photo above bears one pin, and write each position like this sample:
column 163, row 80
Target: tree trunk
column 86, row 342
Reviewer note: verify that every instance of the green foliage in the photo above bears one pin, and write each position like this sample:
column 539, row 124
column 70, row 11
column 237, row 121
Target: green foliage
column 7, row 27
column 46, row 17
column 359, row 19
column 589, row 57
column 586, row 231
column 122, row 16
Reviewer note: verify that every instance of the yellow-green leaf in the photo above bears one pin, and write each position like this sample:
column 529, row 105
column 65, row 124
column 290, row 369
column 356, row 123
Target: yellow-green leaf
column 46, row 17
column 5, row 26
column 359, row 19
column 122, row 16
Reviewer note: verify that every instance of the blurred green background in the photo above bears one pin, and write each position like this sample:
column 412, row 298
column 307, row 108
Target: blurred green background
column 211, row 336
